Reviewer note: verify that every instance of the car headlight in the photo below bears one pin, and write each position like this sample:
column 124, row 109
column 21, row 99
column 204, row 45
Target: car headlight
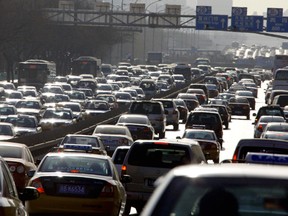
column 20, row 169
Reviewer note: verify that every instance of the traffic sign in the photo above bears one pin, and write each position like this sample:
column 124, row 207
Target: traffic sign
column 211, row 22
column 274, row 12
column 203, row 10
column 239, row 11
column 277, row 24
column 247, row 23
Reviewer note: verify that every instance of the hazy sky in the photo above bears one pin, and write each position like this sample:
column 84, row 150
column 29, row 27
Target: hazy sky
column 260, row 5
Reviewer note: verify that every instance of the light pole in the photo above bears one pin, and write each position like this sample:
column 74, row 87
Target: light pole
column 146, row 9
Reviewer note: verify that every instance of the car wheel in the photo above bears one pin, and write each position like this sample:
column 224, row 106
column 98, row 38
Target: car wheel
column 176, row 127
column 216, row 160
column 248, row 117
column 161, row 135
column 227, row 125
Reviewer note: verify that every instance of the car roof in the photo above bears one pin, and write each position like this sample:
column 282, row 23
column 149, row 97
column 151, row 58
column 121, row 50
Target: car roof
column 231, row 171
column 169, row 141
column 12, row 144
column 258, row 142
column 78, row 154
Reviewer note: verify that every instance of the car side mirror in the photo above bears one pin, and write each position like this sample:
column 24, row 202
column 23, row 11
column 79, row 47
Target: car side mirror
column 29, row 193
column 31, row 172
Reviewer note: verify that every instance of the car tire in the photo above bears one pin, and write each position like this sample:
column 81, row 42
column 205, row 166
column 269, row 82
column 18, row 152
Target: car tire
column 248, row 117
column 216, row 160
column 176, row 127
column 227, row 125
column 161, row 135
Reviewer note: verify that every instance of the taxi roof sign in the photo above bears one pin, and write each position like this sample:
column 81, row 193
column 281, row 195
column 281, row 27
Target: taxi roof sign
column 266, row 158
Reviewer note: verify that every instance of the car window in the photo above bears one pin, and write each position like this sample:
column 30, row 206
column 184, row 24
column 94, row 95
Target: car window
column 10, row 152
column 151, row 155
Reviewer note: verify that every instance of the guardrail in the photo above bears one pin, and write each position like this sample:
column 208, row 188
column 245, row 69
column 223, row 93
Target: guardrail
column 41, row 143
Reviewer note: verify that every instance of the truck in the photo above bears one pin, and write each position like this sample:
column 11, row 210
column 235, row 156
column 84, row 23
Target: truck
column 154, row 58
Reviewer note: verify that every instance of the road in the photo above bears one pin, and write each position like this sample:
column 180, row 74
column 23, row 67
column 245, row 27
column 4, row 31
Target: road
column 239, row 128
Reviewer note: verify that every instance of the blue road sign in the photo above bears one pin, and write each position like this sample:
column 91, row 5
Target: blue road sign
column 274, row 12
column 211, row 22
column 247, row 23
column 277, row 24
column 203, row 10
column 239, row 11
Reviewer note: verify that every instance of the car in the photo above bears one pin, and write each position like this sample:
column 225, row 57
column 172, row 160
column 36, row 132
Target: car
column 259, row 145
column 147, row 160
column 95, row 107
column 281, row 100
column 123, row 98
column 212, row 90
column 7, row 131
column 223, row 111
column 76, row 183
column 24, row 125
column 182, row 108
column 118, row 157
column 274, row 135
column 200, row 94
column 110, row 98
column 56, row 117
column 82, row 142
column 276, row 126
column 155, row 112
column 210, row 120
column 149, row 87
column 5, row 110
column 76, row 108
column 11, row 202
column 249, row 95
column 179, row 80
column 171, row 111
column 239, row 106
column 263, row 121
column 226, row 189
column 268, row 110
column 29, row 107
column 20, row 161
column 139, row 125
column 201, row 86
column 77, row 96
column 12, row 96
column 208, row 141
column 113, row 136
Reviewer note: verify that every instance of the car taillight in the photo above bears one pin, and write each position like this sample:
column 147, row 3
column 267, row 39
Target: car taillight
column 161, row 143
column 235, row 154
column 19, row 168
column 123, row 170
column 38, row 185
column 107, row 191
column 260, row 128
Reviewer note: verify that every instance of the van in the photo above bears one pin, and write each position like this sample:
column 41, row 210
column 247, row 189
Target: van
column 155, row 112
column 200, row 86
column 147, row 160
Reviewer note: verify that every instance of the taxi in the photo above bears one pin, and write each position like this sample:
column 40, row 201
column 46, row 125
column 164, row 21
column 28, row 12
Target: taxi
column 78, row 184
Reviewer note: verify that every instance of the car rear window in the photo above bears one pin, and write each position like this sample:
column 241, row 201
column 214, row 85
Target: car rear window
column 145, row 108
column 244, row 150
column 157, row 155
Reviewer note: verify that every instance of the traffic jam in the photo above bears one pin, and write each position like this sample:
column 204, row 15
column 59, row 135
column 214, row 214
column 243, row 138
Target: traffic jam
column 137, row 165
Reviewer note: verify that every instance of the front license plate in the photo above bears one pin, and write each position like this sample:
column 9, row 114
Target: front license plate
column 150, row 182
column 71, row 189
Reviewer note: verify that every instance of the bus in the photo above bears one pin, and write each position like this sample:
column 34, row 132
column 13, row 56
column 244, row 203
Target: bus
column 86, row 65
column 35, row 72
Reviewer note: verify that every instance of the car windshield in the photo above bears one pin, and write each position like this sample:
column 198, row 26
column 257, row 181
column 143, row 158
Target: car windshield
column 81, row 165
column 21, row 121
column 57, row 114
column 205, row 135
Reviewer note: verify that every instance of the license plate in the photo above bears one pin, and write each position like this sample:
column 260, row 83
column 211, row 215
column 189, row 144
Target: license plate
column 150, row 182
column 71, row 189
column 110, row 142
